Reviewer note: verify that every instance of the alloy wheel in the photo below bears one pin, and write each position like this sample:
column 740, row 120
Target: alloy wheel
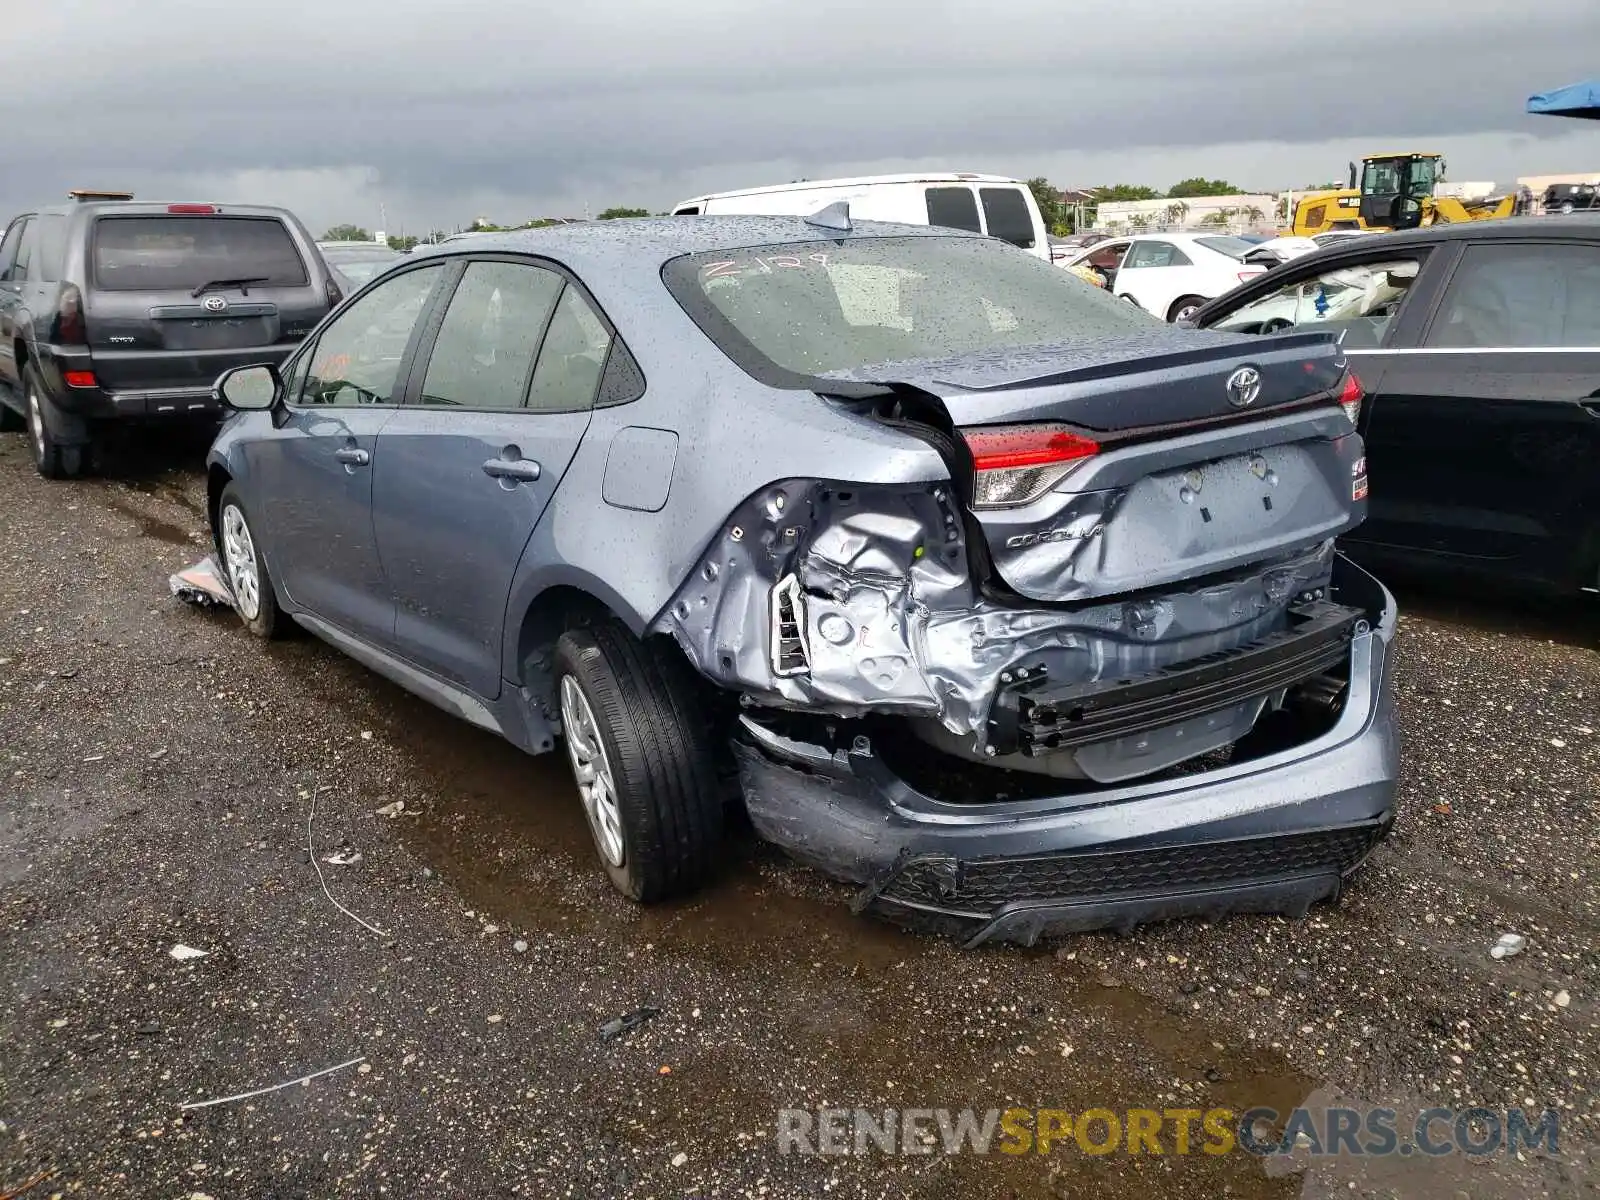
column 36, row 423
column 591, row 768
column 239, row 551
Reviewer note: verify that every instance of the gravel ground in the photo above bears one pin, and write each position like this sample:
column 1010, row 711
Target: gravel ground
column 159, row 773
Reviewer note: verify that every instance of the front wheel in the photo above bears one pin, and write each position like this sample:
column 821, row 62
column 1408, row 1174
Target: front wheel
column 253, row 597
column 639, row 737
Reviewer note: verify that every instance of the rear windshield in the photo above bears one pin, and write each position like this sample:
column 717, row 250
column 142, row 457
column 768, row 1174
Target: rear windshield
column 180, row 253
column 1231, row 246
column 789, row 313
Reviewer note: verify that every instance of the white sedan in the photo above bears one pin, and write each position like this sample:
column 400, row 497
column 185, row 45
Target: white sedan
column 1171, row 274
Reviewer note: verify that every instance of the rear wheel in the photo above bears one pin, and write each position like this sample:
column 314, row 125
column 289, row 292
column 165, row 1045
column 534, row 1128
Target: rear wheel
column 1184, row 308
column 639, row 738
column 253, row 597
column 51, row 458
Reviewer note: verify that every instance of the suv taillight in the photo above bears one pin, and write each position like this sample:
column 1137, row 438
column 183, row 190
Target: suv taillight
column 1016, row 464
column 334, row 294
column 1350, row 397
column 70, row 329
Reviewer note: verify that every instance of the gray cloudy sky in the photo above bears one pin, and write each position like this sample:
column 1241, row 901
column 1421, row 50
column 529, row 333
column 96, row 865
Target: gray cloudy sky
column 446, row 110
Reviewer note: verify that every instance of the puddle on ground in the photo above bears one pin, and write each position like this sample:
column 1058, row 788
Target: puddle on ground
column 152, row 526
column 891, row 1018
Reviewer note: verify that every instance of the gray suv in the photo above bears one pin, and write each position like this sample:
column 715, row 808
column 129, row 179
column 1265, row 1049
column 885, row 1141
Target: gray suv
column 1000, row 599
column 113, row 311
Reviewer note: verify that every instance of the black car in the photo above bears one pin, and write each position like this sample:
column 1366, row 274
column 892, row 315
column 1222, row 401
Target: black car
column 1570, row 197
column 114, row 311
column 1478, row 349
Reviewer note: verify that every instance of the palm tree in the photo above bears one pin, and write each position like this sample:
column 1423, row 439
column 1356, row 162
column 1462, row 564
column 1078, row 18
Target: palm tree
column 1176, row 212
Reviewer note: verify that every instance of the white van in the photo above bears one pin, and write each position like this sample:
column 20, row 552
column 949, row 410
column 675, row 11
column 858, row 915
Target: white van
column 992, row 204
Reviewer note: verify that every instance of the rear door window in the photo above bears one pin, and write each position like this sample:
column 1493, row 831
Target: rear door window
column 1155, row 254
column 572, row 358
column 1521, row 295
column 162, row 253
column 485, row 348
column 1007, row 215
column 953, row 208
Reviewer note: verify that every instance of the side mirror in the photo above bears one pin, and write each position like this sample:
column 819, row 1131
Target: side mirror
column 249, row 388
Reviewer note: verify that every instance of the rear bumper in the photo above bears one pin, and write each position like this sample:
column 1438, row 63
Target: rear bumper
column 1276, row 833
column 133, row 403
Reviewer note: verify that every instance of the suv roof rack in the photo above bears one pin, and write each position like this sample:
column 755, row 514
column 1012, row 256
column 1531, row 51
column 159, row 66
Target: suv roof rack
column 85, row 195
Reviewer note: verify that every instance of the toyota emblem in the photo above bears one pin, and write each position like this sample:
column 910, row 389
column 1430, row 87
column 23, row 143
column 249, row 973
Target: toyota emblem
column 220, row 304
column 1244, row 387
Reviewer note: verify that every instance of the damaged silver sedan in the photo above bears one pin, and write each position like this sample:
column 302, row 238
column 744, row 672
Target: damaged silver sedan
column 998, row 598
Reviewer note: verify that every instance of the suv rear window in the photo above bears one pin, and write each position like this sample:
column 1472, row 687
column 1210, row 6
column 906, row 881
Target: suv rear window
column 180, row 253
column 1007, row 215
column 790, row 313
column 953, row 208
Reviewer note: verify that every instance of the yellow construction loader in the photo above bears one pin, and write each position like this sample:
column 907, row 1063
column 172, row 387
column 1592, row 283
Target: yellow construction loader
column 1396, row 191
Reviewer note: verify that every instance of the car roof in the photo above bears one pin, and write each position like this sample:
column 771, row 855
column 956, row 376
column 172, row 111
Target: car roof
column 1577, row 227
column 161, row 208
column 620, row 261
column 856, row 181
column 658, row 239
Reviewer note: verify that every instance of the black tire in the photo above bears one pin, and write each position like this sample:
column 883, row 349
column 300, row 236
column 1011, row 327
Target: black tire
column 1182, row 303
column 51, row 458
column 656, row 732
column 266, row 621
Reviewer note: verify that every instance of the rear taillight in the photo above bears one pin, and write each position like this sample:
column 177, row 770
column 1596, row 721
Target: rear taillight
column 334, row 294
column 1350, row 397
column 192, row 210
column 70, row 329
column 1016, row 464
column 79, row 379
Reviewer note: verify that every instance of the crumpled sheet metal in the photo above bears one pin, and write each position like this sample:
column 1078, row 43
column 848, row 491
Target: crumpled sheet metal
column 894, row 624
column 205, row 584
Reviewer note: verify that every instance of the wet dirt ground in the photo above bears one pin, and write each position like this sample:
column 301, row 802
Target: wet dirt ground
column 158, row 771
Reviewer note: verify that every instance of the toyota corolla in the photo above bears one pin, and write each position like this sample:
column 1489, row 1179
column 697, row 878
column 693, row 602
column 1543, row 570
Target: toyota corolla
column 978, row 588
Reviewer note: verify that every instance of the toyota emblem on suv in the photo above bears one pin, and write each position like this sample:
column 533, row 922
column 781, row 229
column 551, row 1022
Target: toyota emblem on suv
column 1244, row 387
column 220, row 304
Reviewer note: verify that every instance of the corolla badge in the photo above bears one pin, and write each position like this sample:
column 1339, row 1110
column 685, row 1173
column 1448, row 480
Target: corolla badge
column 220, row 304
column 1244, row 387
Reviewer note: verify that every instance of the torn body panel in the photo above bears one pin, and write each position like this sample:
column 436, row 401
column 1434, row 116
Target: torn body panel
column 1275, row 826
column 850, row 600
column 205, row 583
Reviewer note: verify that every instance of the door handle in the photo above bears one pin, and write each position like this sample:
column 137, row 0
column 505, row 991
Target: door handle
column 515, row 469
column 353, row 456
column 1591, row 406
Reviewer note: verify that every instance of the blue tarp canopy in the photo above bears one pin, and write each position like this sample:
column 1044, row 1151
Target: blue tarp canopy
column 1576, row 100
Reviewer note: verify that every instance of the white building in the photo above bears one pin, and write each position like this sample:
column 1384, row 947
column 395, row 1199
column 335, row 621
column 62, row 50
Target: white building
column 1235, row 214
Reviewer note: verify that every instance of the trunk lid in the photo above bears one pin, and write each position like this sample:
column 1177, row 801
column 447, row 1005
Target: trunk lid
column 1188, row 455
